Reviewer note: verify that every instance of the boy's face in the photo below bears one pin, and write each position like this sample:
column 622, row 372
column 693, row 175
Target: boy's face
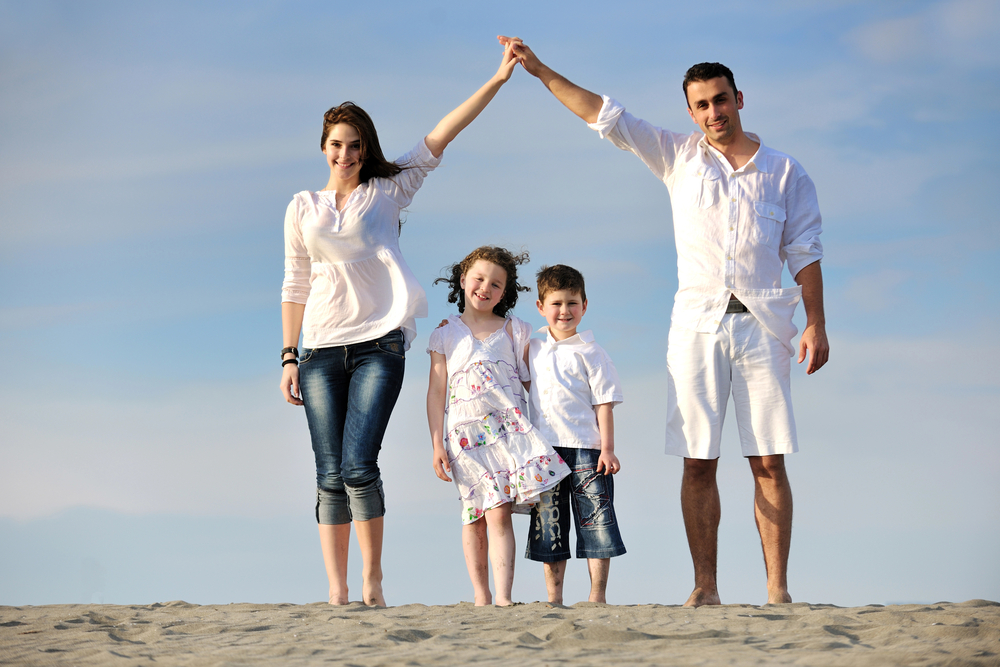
column 563, row 310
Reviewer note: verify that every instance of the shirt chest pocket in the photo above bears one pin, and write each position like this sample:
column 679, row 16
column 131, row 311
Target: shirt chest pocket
column 767, row 223
column 702, row 188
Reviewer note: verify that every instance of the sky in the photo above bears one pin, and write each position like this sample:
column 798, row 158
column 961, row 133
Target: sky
column 148, row 152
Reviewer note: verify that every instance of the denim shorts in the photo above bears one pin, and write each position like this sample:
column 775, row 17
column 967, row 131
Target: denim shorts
column 591, row 495
column 349, row 392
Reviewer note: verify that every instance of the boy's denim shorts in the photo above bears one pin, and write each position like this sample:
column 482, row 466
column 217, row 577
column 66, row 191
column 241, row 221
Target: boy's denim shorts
column 591, row 495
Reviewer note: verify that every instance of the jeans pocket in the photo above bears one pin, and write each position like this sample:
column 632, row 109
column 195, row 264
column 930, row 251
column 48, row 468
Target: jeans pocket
column 307, row 354
column 391, row 344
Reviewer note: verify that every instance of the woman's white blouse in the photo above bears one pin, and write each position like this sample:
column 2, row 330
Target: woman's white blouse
column 346, row 266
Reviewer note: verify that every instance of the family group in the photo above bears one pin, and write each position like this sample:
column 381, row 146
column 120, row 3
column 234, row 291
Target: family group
column 525, row 424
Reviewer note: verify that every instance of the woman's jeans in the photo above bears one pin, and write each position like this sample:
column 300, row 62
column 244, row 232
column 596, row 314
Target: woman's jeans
column 349, row 392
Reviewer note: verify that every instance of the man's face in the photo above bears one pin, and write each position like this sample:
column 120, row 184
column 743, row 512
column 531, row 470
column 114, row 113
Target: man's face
column 715, row 106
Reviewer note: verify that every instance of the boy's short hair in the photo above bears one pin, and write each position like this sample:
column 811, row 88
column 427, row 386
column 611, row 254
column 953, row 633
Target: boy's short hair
column 559, row 277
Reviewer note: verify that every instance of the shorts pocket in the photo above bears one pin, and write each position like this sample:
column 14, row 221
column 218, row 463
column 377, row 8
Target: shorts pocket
column 768, row 223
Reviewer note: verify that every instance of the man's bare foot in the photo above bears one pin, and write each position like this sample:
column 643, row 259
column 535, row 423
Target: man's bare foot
column 700, row 598
column 778, row 597
column 598, row 597
column 372, row 592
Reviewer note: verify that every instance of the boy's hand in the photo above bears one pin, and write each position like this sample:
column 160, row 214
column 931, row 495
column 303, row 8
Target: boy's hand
column 609, row 463
column 440, row 464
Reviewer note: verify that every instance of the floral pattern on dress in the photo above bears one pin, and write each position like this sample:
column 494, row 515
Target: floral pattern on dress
column 495, row 453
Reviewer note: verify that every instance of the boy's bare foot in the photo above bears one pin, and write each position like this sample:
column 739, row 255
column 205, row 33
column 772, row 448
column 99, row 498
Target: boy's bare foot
column 372, row 592
column 700, row 598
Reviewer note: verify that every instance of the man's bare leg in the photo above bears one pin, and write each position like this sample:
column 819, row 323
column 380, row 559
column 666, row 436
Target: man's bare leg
column 370, row 540
column 555, row 576
column 702, row 511
column 773, row 511
column 335, row 540
column 599, row 568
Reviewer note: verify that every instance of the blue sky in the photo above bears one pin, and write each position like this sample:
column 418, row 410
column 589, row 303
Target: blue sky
column 148, row 154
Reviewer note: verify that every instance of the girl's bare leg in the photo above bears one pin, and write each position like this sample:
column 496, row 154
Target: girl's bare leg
column 474, row 544
column 501, row 541
column 334, row 540
column 370, row 540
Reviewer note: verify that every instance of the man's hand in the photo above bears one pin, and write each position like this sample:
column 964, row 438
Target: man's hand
column 529, row 61
column 814, row 345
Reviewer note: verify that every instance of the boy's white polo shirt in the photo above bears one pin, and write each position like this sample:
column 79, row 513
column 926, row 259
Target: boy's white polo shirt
column 568, row 378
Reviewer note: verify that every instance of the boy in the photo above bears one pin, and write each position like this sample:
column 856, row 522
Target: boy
column 574, row 386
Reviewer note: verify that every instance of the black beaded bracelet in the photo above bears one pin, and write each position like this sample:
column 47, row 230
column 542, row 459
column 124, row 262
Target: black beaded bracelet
column 289, row 361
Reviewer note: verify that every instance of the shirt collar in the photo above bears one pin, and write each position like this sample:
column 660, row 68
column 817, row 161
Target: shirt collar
column 580, row 338
column 759, row 159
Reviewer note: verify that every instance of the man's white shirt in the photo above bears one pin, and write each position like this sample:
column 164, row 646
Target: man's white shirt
column 733, row 229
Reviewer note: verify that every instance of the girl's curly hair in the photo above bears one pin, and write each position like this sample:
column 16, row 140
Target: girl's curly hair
column 503, row 258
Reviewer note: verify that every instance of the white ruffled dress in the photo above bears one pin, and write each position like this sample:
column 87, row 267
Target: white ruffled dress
column 496, row 455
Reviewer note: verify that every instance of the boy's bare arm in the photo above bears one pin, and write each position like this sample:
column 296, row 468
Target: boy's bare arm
column 607, row 462
column 580, row 101
column 437, row 397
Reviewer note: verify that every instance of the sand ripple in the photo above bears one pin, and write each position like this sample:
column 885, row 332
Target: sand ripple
column 179, row 633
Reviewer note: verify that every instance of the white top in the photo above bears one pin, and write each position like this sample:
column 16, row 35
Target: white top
column 568, row 378
column 733, row 229
column 346, row 266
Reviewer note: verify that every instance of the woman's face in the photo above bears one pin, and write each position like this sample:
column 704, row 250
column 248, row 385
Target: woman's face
column 343, row 153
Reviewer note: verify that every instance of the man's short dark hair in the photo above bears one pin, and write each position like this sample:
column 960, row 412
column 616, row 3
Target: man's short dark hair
column 706, row 71
column 560, row 277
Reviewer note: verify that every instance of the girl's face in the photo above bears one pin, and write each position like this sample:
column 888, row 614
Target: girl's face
column 343, row 152
column 484, row 284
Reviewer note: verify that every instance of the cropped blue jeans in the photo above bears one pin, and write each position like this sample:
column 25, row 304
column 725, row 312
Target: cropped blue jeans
column 349, row 392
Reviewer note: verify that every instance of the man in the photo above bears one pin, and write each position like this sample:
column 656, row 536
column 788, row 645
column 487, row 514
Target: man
column 740, row 211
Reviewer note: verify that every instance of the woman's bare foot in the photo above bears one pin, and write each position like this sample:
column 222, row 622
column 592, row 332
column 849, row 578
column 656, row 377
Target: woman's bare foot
column 700, row 598
column 338, row 596
column 778, row 597
column 372, row 592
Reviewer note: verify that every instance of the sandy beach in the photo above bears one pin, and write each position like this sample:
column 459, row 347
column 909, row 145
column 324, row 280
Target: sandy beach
column 179, row 633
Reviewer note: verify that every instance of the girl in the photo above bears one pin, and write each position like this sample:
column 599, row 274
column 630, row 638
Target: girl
column 351, row 294
column 475, row 410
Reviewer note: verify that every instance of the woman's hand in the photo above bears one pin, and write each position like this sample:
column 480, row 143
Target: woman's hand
column 290, row 384
column 466, row 112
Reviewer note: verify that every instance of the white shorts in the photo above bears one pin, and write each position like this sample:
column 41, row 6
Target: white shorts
column 702, row 369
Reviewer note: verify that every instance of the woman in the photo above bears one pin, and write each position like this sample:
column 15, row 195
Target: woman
column 349, row 292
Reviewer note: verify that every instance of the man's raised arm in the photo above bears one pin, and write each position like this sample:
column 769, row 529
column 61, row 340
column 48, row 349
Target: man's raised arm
column 580, row 101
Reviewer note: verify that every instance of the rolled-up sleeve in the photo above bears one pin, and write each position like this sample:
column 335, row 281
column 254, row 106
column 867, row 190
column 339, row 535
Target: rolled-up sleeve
column 803, row 225
column 656, row 147
column 295, row 288
column 416, row 165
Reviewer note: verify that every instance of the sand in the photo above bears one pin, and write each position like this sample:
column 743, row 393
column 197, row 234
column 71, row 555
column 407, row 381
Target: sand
column 179, row 633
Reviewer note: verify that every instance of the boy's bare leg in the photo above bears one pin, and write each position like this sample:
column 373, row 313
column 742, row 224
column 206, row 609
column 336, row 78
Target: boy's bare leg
column 599, row 568
column 474, row 545
column 501, row 539
column 702, row 511
column 773, row 511
column 370, row 540
column 555, row 576
column 334, row 540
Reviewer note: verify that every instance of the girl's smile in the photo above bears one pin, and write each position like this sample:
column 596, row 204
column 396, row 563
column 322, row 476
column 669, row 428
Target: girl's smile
column 484, row 285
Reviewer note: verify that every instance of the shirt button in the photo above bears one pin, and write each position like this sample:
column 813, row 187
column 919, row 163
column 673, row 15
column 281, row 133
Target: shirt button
column 729, row 256
column 730, row 229
column 733, row 175
column 734, row 198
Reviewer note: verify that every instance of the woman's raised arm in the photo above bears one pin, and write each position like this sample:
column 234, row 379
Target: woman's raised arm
column 466, row 112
